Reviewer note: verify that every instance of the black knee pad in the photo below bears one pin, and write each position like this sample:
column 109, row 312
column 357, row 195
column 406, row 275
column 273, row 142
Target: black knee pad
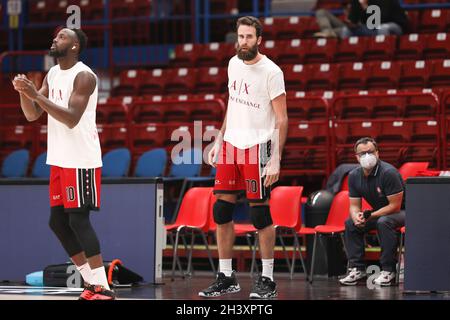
column 81, row 226
column 223, row 211
column 260, row 216
column 58, row 219
column 60, row 225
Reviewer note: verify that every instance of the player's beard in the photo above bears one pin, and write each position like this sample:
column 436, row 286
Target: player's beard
column 248, row 55
column 58, row 53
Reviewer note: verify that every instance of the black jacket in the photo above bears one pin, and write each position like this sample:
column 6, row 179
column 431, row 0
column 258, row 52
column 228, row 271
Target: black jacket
column 391, row 11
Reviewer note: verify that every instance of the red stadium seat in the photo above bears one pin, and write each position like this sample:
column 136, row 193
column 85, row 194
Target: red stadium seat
column 186, row 55
column 440, row 74
column 394, row 132
column 420, row 106
column 282, row 28
column 182, row 80
column 379, row 48
column 307, row 132
column 195, row 200
column 438, row 46
column 425, row 131
column 305, row 109
column 292, row 53
column 383, row 75
column 92, row 9
column 433, row 20
column 285, row 208
column 411, row 46
column 410, row 169
column 273, row 48
column 352, row 75
column 178, row 130
column 388, row 107
column 271, row 27
column 295, row 77
column 350, row 49
column 130, row 8
column 56, row 10
column 321, row 77
column 38, row 10
column 413, row 19
column 111, row 112
column 147, row 135
column 308, row 26
column 319, row 50
column 17, row 137
column 290, row 29
column 113, row 135
column 129, row 82
column 356, row 129
column 154, row 82
column 298, row 160
column 147, row 112
column 354, row 108
column 414, row 74
column 213, row 54
column 211, row 80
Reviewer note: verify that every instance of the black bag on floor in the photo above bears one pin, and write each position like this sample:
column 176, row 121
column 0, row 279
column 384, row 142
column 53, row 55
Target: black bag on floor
column 67, row 275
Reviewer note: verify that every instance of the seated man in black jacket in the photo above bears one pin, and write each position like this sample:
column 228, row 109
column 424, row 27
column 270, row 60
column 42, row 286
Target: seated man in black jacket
column 393, row 19
column 382, row 186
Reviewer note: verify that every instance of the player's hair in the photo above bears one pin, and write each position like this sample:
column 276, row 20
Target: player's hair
column 252, row 22
column 365, row 140
column 82, row 39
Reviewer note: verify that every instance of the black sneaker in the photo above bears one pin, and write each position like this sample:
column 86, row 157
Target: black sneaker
column 221, row 286
column 264, row 288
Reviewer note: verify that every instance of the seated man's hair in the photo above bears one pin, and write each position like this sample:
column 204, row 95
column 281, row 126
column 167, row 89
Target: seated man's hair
column 365, row 140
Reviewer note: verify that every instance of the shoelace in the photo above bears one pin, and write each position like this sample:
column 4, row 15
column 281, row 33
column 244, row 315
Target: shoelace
column 260, row 284
column 219, row 282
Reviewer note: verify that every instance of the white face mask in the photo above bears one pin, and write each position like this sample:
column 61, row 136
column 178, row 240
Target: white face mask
column 368, row 161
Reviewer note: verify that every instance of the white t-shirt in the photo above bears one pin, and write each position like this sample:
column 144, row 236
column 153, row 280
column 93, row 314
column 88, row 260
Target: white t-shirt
column 250, row 116
column 78, row 147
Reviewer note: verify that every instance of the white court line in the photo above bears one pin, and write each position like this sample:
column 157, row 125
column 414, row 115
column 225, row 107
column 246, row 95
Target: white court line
column 42, row 288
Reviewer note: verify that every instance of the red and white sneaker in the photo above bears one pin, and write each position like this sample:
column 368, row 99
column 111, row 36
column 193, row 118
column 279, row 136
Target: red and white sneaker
column 100, row 293
column 87, row 293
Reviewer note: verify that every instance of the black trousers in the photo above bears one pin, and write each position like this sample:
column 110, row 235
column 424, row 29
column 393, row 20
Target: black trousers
column 386, row 227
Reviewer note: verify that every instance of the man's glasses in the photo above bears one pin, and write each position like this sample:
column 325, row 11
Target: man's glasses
column 360, row 154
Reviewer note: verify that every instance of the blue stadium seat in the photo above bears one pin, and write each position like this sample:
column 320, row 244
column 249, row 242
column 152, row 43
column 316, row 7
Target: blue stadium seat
column 187, row 166
column 15, row 164
column 151, row 163
column 116, row 163
column 40, row 168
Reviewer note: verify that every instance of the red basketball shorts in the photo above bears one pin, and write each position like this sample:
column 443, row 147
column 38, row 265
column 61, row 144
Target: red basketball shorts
column 239, row 170
column 75, row 189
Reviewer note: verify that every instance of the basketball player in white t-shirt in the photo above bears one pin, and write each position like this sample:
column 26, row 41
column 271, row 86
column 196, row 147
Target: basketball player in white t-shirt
column 69, row 97
column 247, row 154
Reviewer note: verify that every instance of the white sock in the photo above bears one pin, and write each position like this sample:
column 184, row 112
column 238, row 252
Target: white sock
column 99, row 277
column 225, row 266
column 267, row 268
column 86, row 272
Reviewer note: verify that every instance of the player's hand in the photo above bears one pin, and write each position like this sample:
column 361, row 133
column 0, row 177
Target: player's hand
column 214, row 152
column 271, row 171
column 25, row 86
column 18, row 85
